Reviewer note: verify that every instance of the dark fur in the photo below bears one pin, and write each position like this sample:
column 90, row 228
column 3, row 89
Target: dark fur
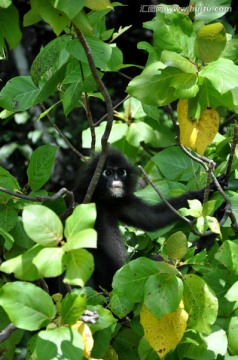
column 129, row 209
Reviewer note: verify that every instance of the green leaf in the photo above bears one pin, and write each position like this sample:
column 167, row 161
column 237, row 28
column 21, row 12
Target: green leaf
column 201, row 224
column 55, row 18
column 231, row 50
column 5, row 3
column 70, row 8
column 228, row 256
column 116, row 61
column 185, row 85
column 32, row 16
column 131, row 278
column 163, row 293
column 19, row 94
column 40, row 166
column 79, row 267
column 72, row 307
column 169, row 36
column 42, row 225
column 152, row 87
column 9, row 182
column 176, row 246
column 61, row 342
column 82, row 218
column 210, row 42
column 22, row 265
column 47, row 57
column 213, row 224
column 8, row 239
column 119, row 304
column 217, row 342
column 8, row 217
column 174, row 164
column 232, row 335
column 139, row 132
column 83, row 239
column 72, row 96
column 175, row 60
column 200, row 303
column 232, row 293
column 222, row 73
column 49, row 262
column 27, row 306
column 217, row 8
column 99, row 5
column 208, row 207
column 119, row 130
column 105, row 320
column 9, row 24
column 50, row 84
column 101, row 51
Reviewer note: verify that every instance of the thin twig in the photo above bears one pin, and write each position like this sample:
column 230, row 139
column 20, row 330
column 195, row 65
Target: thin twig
column 114, row 108
column 40, row 198
column 232, row 152
column 108, row 102
column 190, row 223
column 91, row 124
column 89, row 116
column 61, row 192
column 5, row 333
column 162, row 196
column 62, row 135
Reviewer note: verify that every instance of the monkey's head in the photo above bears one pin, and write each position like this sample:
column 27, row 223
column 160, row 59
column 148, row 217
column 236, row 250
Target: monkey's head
column 118, row 179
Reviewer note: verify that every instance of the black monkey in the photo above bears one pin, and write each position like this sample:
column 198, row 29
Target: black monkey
column 115, row 201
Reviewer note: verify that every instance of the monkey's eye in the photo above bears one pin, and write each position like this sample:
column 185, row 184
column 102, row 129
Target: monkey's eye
column 121, row 172
column 107, row 172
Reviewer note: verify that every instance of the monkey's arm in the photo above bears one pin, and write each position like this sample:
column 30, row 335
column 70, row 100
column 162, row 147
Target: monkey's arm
column 137, row 213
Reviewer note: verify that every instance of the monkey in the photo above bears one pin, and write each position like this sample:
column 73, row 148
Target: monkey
column 116, row 203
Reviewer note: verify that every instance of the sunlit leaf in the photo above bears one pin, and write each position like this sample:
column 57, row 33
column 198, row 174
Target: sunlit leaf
column 84, row 330
column 198, row 134
column 27, row 306
column 99, row 4
column 164, row 334
column 210, row 42
column 42, row 225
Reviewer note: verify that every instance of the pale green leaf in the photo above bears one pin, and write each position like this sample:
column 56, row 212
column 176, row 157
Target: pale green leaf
column 28, row 306
column 42, row 225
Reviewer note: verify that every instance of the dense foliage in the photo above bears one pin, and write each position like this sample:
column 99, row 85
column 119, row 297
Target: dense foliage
column 184, row 307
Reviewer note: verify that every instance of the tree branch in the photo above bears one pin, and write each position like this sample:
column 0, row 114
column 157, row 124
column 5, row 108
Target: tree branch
column 5, row 333
column 61, row 192
column 108, row 102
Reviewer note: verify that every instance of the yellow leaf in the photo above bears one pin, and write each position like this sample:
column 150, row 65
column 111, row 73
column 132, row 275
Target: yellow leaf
column 87, row 337
column 197, row 135
column 164, row 334
column 99, row 4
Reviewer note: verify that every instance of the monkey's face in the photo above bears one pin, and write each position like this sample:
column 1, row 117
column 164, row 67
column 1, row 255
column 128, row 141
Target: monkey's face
column 113, row 181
